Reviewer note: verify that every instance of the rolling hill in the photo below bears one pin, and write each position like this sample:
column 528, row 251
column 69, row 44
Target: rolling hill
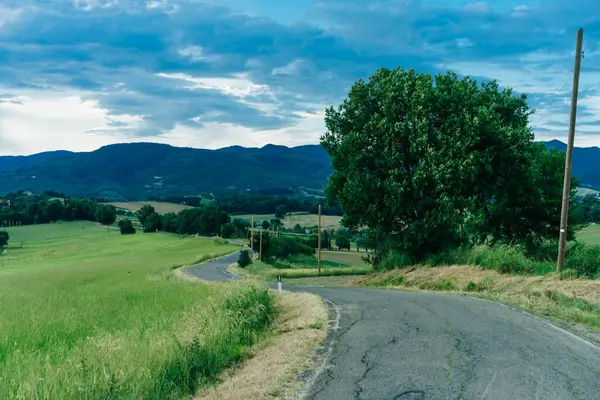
column 135, row 171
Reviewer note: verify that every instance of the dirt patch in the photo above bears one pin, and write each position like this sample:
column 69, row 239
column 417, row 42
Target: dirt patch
column 273, row 369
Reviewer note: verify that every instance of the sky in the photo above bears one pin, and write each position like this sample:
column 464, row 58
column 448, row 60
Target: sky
column 80, row 74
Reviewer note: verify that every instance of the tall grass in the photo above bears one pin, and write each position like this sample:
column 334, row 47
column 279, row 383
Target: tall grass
column 582, row 260
column 87, row 314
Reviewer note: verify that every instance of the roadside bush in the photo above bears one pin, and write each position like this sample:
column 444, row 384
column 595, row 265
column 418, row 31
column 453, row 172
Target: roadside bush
column 585, row 260
column 244, row 260
column 393, row 260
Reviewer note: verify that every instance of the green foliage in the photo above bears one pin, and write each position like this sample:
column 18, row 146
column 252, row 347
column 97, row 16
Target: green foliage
column 4, row 238
column 153, row 222
column 416, row 156
column 228, row 230
column 281, row 212
column 266, row 225
column 126, row 227
column 106, row 214
column 584, row 260
column 590, row 208
column 342, row 243
column 244, row 260
column 145, row 212
column 205, row 221
column 169, row 221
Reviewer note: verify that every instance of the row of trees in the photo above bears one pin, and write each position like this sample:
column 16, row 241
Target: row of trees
column 21, row 209
column 251, row 203
column 430, row 163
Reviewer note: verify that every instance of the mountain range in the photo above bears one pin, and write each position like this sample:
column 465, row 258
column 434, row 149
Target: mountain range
column 135, row 171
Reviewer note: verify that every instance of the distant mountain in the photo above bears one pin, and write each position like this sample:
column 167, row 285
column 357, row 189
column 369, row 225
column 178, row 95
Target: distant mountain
column 136, row 170
column 11, row 163
column 586, row 162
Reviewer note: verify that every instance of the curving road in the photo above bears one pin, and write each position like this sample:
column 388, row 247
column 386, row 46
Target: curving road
column 403, row 345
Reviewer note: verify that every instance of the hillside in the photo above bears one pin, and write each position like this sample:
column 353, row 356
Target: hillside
column 585, row 163
column 137, row 170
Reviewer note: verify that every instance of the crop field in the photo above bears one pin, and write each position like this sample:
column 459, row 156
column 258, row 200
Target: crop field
column 304, row 219
column 89, row 314
column 159, row 207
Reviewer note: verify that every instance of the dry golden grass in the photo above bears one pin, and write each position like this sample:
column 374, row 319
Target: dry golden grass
column 567, row 300
column 159, row 207
column 271, row 372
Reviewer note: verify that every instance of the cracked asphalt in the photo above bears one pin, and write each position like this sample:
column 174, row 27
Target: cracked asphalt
column 417, row 346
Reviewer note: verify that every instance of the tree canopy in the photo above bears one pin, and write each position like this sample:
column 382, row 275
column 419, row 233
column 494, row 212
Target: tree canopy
column 416, row 157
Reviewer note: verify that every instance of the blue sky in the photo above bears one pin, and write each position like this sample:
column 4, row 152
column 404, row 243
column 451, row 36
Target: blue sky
column 81, row 74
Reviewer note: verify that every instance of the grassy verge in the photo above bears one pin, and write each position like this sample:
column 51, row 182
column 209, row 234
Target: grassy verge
column 273, row 369
column 581, row 260
column 567, row 300
column 302, row 267
column 91, row 314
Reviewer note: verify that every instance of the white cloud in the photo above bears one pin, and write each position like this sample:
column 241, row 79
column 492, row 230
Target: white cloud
column 238, row 85
column 520, row 11
column 479, row 7
column 60, row 120
column 464, row 42
column 8, row 15
column 292, row 68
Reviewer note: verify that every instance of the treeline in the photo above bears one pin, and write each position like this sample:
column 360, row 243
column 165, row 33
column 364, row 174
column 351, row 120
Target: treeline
column 265, row 204
column 203, row 220
column 588, row 209
column 22, row 208
column 193, row 201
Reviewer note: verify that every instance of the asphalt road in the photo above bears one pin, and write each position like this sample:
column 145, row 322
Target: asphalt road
column 402, row 345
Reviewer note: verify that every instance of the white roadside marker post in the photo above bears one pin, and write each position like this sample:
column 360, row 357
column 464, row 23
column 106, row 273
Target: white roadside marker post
column 279, row 283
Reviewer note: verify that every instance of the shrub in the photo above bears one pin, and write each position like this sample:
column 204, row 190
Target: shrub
column 585, row 260
column 4, row 237
column 393, row 260
column 126, row 227
column 244, row 260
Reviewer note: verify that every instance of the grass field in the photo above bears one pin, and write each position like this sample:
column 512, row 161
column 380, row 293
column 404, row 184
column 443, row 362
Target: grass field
column 582, row 192
column 90, row 314
column 589, row 235
column 304, row 219
column 159, row 207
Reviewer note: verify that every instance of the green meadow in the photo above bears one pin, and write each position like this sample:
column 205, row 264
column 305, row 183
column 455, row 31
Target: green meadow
column 86, row 313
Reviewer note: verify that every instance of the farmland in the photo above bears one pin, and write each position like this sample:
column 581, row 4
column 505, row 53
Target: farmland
column 88, row 313
column 303, row 219
column 159, row 207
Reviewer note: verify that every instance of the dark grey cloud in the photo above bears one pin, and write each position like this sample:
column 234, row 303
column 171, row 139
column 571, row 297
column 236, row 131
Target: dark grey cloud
column 117, row 51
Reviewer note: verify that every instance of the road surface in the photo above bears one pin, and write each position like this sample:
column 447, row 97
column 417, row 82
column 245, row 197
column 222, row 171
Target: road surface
column 417, row 346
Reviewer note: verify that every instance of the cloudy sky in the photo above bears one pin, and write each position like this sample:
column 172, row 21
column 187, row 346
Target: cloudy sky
column 80, row 74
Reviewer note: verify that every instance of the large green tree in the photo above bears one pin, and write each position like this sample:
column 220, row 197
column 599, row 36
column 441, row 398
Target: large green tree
column 417, row 156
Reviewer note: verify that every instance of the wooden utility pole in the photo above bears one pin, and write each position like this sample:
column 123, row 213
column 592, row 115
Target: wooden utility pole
column 260, row 247
column 319, row 239
column 564, row 213
column 252, row 239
